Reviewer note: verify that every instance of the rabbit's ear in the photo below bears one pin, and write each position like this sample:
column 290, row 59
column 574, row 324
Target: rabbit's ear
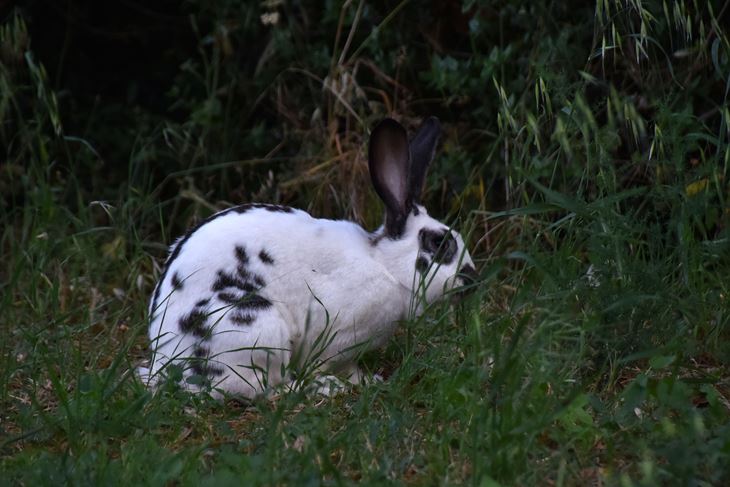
column 423, row 148
column 389, row 160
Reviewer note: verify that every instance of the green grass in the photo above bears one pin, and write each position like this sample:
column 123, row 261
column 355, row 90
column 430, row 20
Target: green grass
column 585, row 153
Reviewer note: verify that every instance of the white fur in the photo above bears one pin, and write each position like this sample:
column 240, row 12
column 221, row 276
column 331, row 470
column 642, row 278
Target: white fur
column 328, row 279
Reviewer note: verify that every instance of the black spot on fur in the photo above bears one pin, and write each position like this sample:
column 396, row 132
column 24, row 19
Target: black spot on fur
column 244, row 319
column 278, row 208
column 194, row 322
column 241, row 255
column 421, row 264
column 228, row 298
column 202, row 302
column 181, row 242
column 375, row 239
column 244, row 306
column 254, row 301
column 265, row 206
column 201, row 364
column 245, row 302
column 244, row 279
column 266, row 258
column 226, row 280
column 176, row 282
column 202, row 368
column 441, row 244
column 250, row 277
column 415, row 211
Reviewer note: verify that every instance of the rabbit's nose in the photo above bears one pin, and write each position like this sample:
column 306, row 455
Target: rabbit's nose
column 469, row 279
column 468, row 275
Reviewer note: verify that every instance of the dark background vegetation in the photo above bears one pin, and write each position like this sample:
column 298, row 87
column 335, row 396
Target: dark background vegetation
column 585, row 152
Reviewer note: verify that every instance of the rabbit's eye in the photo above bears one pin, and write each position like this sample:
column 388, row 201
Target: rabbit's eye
column 441, row 244
column 436, row 241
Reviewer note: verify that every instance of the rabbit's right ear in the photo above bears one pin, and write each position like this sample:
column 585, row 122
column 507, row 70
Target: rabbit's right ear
column 389, row 161
column 423, row 147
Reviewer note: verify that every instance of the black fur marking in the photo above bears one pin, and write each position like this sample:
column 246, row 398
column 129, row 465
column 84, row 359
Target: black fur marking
column 241, row 255
column 266, row 258
column 278, row 208
column 244, row 306
column 375, row 238
column 215, row 370
column 194, row 322
column 415, row 211
column 441, row 244
column 248, row 276
column 199, row 368
column 202, row 302
column 265, row 206
column 245, row 302
column 395, row 226
column 244, row 319
column 421, row 264
column 204, row 369
column 181, row 243
column 244, row 279
column 228, row 298
column 254, row 301
column 226, row 280
column 201, row 365
column 176, row 282
column 469, row 275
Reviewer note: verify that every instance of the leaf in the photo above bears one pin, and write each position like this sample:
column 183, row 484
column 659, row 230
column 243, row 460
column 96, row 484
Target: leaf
column 615, row 198
column 715, row 58
column 694, row 188
column 531, row 209
column 661, row 361
column 115, row 248
column 630, row 302
column 560, row 200
column 488, row 481
column 85, row 383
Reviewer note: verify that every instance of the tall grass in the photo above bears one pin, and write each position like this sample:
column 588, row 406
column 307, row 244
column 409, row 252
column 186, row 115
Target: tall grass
column 585, row 153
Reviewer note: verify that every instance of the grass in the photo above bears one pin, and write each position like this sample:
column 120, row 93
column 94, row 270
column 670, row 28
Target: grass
column 585, row 153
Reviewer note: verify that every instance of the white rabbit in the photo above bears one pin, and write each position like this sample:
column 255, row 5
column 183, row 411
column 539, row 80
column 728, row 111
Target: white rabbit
column 253, row 291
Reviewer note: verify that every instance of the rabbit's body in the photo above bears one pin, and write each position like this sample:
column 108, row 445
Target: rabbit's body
column 260, row 291
column 255, row 291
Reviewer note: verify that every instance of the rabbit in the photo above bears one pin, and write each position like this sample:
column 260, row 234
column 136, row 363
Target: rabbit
column 250, row 293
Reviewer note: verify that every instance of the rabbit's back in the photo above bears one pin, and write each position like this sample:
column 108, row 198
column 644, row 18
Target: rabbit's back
column 259, row 276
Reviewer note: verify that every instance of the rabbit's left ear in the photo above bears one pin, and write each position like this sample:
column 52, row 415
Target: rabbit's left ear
column 389, row 163
column 423, row 148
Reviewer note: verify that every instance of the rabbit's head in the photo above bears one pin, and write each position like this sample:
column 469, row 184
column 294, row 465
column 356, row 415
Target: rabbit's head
column 418, row 250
